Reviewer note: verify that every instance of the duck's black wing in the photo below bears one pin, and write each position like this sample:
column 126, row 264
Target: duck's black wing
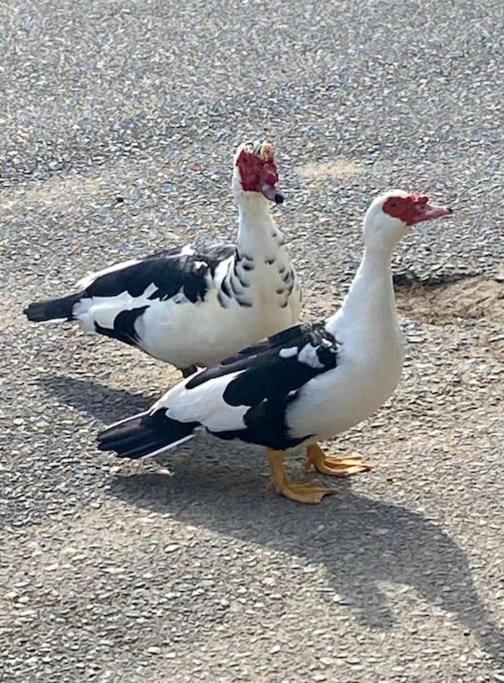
column 267, row 377
column 183, row 272
column 245, row 397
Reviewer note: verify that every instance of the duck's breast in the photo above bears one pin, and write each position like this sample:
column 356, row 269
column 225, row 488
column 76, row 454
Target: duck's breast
column 333, row 402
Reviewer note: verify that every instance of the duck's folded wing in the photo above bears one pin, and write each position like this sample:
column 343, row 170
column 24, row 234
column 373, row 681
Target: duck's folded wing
column 246, row 396
column 162, row 275
column 112, row 301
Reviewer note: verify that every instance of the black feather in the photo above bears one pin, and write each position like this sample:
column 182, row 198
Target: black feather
column 268, row 383
column 52, row 309
column 170, row 271
column 144, row 434
column 124, row 326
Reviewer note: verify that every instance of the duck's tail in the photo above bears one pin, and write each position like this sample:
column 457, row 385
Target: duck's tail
column 52, row 309
column 145, row 434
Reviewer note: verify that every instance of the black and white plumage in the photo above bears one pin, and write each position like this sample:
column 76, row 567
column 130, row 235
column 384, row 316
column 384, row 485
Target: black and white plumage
column 245, row 397
column 306, row 383
column 197, row 304
column 111, row 302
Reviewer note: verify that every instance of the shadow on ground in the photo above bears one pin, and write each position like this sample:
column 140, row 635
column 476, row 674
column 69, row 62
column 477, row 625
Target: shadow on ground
column 360, row 541
column 93, row 399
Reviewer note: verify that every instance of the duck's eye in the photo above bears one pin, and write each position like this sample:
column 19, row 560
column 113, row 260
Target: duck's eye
column 393, row 205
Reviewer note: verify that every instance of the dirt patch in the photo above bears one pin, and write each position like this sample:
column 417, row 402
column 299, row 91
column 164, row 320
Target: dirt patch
column 336, row 169
column 471, row 298
column 58, row 192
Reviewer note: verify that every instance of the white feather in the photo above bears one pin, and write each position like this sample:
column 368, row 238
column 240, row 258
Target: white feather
column 308, row 356
column 104, row 309
column 288, row 353
column 53, row 321
column 204, row 404
column 124, row 420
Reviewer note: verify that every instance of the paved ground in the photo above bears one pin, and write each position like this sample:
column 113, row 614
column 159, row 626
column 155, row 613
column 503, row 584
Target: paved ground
column 118, row 123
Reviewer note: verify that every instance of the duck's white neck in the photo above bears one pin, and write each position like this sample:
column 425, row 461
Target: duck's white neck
column 258, row 234
column 260, row 268
column 370, row 302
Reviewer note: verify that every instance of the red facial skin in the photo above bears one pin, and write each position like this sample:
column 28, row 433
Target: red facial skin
column 256, row 172
column 413, row 209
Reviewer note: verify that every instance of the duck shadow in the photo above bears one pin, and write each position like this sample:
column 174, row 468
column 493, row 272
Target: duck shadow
column 360, row 541
column 90, row 398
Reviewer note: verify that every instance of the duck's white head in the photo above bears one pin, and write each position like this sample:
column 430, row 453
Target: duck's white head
column 393, row 213
column 255, row 172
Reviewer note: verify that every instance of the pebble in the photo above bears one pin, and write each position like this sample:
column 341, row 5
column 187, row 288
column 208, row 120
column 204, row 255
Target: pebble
column 172, row 547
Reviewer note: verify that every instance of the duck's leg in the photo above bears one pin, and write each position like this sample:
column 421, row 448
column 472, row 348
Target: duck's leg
column 336, row 467
column 187, row 372
column 281, row 483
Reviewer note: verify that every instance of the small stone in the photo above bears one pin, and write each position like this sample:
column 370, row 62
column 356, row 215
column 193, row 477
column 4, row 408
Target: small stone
column 172, row 547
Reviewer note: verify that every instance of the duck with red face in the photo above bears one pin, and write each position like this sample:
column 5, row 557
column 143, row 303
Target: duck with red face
column 307, row 383
column 412, row 208
column 194, row 305
column 258, row 172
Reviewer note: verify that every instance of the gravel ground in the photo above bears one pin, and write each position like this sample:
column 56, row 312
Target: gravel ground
column 119, row 119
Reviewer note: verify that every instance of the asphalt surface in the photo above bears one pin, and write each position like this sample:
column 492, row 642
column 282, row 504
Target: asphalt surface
column 119, row 120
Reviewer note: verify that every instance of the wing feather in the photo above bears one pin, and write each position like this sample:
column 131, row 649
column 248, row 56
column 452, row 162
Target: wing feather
column 247, row 396
column 167, row 273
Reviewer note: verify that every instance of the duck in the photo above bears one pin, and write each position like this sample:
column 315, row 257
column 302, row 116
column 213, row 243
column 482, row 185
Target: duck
column 194, row 305
column 306, row 383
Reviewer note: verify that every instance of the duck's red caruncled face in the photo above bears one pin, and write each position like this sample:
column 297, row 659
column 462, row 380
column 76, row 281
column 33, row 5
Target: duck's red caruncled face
column 259, row 174
column 413, row 209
